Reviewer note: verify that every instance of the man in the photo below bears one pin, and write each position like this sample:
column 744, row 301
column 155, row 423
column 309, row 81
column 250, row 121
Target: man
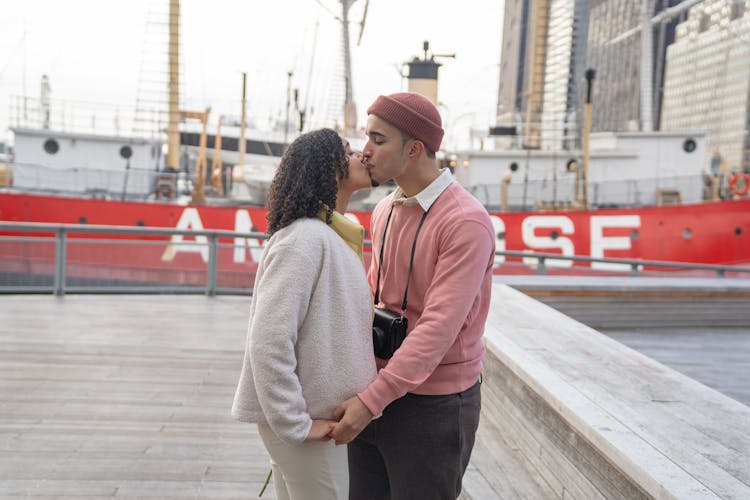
column 428, row 392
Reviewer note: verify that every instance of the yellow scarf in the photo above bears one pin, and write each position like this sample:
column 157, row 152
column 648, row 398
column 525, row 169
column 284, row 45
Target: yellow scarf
column 352, row 233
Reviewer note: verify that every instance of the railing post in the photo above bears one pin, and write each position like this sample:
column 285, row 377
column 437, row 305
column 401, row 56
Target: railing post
column 634, row 269
column 60, row 258
column 540, row 267
column 213, row 257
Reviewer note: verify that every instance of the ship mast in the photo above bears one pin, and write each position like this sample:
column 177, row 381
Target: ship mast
column 243, row 143
column 350, row 109
column 173, row 132
column 590, row 73
column 535, row 60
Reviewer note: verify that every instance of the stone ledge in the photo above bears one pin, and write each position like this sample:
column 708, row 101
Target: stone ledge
column 596, row 418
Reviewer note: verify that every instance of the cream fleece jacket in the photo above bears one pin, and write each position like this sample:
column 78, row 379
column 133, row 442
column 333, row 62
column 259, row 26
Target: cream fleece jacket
column 309, row 342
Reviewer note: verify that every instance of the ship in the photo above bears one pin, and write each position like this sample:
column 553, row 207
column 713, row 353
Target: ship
column 626, row 195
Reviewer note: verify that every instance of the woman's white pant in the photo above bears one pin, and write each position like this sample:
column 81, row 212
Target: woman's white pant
column 313, row 470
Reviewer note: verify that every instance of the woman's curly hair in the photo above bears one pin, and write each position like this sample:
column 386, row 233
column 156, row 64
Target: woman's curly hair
column 306, row 178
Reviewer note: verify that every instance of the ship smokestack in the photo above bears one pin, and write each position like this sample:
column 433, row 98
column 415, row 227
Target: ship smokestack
column 423, row 74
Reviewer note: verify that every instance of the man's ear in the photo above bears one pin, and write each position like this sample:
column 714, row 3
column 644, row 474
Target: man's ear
column 416, row 148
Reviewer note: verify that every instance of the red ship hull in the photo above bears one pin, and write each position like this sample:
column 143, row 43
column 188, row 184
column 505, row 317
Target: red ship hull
column 710, row 233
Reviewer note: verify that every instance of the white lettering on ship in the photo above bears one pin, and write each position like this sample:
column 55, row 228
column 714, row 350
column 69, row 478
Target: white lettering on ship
column 600, row 243
column 499, row 227
column 243, row 223
column 190, row 219
column 531, row 240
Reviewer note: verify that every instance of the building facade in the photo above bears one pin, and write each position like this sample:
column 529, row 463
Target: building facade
column 614, row 48
column 512, row 62
column 522, row 67
column 707, row 82
column 543, row 58
column 616, row 94
column 563, row 72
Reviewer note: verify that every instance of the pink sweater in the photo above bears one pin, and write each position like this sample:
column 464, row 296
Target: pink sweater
column 449, row 295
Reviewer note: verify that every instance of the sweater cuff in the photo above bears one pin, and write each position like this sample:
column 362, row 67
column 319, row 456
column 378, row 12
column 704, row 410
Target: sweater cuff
column 302, row 433
column 379, row 394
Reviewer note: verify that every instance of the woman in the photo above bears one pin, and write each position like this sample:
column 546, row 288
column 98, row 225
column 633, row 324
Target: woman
column 309, row 344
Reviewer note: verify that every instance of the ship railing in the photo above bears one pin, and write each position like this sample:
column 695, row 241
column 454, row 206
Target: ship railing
column 87, row 258
column 559, row 193
column 131, row 182
column 84, row 117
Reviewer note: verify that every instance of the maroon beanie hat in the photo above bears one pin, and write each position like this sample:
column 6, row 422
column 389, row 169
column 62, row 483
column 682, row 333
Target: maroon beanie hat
column 412, row 114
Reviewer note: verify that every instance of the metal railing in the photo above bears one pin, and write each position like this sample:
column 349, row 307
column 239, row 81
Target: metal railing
column 24, row 264
column 80, row 258
column 636, row 266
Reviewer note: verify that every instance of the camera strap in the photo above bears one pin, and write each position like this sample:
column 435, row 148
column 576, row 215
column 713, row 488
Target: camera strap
column 411, row 259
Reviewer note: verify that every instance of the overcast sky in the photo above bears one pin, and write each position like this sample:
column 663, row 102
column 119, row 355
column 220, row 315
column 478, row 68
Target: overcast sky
column 93, row 50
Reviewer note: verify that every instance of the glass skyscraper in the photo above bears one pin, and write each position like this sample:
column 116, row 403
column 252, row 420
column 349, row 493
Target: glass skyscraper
column 707, row 83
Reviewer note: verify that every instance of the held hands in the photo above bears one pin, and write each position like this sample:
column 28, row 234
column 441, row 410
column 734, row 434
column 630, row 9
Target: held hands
column 320, row 430
column 353, row 416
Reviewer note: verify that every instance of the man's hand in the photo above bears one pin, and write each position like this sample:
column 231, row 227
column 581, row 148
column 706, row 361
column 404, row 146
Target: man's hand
column 353, row 417
column 320, row 430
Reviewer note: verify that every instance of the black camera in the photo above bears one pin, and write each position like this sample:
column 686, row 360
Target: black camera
column 388, row 332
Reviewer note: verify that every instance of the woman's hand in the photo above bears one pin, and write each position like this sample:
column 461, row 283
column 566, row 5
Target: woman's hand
column 320, row 430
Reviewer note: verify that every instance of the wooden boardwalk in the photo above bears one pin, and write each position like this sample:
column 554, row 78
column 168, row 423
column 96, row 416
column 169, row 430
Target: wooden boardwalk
column 123, row 396
column 129, row 396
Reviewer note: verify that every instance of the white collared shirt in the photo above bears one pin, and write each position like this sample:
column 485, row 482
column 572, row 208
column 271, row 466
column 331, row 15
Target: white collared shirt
column 428, row 195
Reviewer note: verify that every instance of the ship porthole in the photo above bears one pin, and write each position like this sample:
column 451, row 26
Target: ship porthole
column 738, row 231
column 554, row 235
column 634, row 234
column 687, row 233
column 126, row 152
column 51, row 146
column 689, row 145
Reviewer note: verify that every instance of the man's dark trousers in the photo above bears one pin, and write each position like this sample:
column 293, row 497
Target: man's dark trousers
column 418, row 449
